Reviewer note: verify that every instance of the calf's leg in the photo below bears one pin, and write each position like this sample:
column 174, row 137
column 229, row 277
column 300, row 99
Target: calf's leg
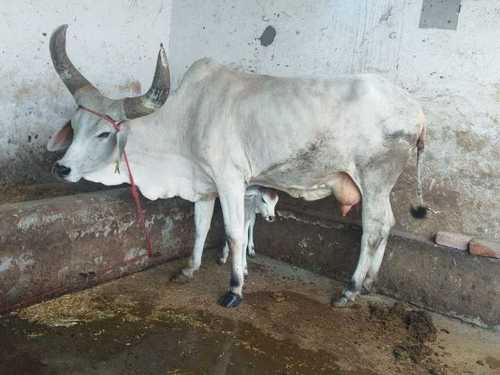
column 245, row 245
column 225, row 254
column 251, row 245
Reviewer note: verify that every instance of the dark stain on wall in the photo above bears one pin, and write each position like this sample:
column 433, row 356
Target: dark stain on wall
column 267, row 37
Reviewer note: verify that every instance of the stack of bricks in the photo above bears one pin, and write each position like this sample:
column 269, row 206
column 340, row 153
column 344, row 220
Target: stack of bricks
column 463, row 242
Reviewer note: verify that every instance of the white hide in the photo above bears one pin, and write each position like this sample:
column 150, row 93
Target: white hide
column 333, row 119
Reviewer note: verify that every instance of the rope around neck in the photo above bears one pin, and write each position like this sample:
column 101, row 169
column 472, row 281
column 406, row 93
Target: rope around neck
column 134, row 191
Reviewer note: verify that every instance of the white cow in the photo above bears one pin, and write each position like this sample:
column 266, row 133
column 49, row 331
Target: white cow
column 223, row 130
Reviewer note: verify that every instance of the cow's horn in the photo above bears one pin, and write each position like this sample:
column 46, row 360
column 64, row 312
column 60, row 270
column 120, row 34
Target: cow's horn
column 71, row 77
column 156, row 95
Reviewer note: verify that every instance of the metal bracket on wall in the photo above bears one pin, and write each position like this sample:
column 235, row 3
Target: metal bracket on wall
column 440, row 14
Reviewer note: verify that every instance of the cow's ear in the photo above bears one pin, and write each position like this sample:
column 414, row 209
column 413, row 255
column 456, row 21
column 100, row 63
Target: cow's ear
column 252, row 191
column 61, row 139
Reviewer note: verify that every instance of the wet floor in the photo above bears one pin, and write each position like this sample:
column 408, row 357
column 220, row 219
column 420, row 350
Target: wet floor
column 177, row 343
column 146, row 324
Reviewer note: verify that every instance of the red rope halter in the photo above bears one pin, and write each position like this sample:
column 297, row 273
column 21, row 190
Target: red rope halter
column 133, row 187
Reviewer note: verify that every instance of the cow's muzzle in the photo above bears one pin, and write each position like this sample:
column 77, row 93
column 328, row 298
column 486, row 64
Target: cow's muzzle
column 60, row 170
column 270, row 218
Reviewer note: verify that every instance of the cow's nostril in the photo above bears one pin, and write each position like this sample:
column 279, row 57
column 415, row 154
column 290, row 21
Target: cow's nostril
column 61, row 170
column 270, row 219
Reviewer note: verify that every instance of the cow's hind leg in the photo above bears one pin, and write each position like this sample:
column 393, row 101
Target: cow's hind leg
column 376, row 262
column 377, row 220
column 233, row 207
column 378, row 257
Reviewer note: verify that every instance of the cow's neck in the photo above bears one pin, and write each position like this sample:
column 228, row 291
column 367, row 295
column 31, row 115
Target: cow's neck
column 155, row 158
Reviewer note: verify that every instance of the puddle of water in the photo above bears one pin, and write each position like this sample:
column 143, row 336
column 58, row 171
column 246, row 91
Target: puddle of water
column 174, row 343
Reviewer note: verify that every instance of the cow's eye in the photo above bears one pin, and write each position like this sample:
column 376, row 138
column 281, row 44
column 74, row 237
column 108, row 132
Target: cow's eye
column 263, row 200
column 104, row 135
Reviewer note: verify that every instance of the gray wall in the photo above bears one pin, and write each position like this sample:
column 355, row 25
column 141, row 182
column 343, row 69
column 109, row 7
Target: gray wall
column 454, row 73
column 114, row 42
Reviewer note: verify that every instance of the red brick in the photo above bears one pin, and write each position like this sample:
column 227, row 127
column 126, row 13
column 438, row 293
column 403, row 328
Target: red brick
column 484, row 248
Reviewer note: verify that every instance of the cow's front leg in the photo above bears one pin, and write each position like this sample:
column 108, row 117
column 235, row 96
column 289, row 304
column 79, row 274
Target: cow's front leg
column 233, row 206
column 377, row 222
column 203, row 212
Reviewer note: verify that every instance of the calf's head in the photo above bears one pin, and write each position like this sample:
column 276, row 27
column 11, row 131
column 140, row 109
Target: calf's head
column 90, row 139
column 266, row 201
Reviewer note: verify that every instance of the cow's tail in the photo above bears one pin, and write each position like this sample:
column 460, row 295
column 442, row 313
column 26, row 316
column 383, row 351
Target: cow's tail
column 420, row 211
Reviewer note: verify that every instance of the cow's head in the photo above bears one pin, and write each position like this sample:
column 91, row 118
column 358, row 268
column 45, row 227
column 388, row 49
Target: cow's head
column 266, row 200
column 91, row 141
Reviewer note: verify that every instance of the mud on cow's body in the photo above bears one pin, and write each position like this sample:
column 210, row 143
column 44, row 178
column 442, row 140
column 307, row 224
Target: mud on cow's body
column 224, row 130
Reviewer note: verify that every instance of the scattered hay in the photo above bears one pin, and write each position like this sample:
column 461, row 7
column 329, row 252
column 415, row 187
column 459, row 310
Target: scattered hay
column 175, row 317
column 72, row 309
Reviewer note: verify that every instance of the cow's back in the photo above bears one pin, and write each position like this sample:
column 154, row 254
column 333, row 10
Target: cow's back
column 295, row 127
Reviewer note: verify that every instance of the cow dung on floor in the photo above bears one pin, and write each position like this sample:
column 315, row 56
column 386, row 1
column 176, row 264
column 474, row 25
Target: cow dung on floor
column 145, row 324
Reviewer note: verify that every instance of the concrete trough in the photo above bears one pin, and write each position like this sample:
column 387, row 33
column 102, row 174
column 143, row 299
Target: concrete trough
column 53, row 246
column 414, row 269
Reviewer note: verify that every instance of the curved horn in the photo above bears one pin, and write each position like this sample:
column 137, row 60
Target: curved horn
column 71, row 77
column 156, row 95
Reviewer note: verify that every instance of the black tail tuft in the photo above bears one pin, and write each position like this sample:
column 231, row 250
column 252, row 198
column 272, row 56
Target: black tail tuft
column 419, row 212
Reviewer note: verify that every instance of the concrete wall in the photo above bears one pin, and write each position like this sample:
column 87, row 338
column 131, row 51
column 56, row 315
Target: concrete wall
column 454, row 73
column 114, row 42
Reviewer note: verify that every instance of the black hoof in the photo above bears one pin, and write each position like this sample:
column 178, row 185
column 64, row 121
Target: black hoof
column 180, row 278
column 230, row 300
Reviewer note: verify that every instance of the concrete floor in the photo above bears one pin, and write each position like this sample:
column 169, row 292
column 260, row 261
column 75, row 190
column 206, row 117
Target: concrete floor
column 146, row 324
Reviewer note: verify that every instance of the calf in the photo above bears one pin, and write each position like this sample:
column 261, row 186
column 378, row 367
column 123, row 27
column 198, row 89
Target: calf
column 257, row 201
